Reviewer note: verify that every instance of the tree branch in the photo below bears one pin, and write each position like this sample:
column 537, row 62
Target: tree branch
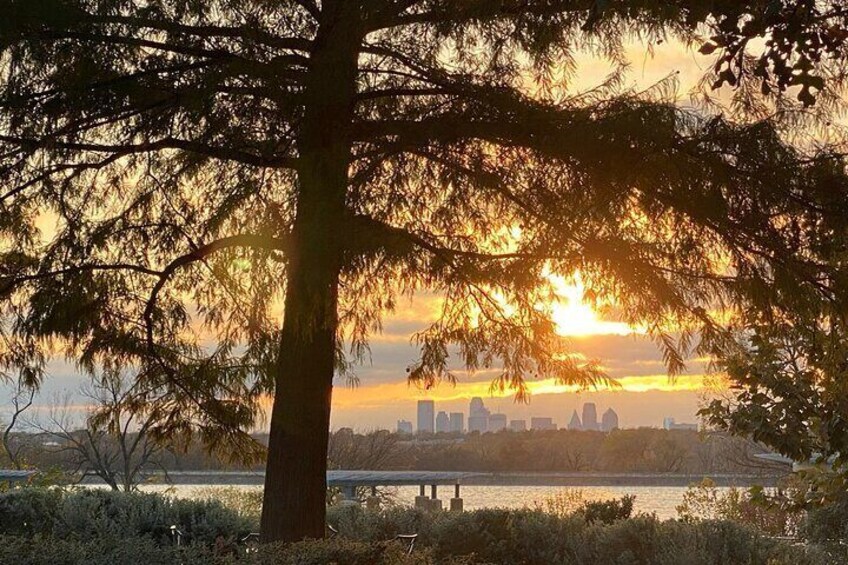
column 243, row 240
column 240, row 32
column 122, row 150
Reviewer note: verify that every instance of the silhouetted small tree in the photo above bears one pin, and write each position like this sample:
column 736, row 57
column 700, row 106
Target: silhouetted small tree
column 110, row 439
column 21, row 400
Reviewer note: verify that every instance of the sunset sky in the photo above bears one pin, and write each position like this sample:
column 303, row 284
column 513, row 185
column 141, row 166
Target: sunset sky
column 646, row 394
column 383, row 396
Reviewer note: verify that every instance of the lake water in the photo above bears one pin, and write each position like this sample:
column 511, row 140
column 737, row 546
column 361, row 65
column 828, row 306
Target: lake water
column 659, row 500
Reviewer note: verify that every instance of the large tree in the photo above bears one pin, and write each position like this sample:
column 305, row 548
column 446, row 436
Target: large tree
column 196, row 167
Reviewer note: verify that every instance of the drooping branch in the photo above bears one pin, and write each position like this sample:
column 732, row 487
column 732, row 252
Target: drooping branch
column 191, row 146
column 207, row 31
column 484, row 10
column 374, row 235
column 199, row 254
column 15, row 281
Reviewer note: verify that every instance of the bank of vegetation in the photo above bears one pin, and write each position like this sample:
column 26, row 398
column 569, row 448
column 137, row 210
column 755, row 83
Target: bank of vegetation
column 54, row 526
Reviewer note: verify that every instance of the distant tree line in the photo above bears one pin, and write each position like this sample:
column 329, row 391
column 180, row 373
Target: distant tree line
column 643, row 450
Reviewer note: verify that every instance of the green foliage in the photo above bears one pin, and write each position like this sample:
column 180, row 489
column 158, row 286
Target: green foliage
column 828, row 522
column 97, row 551
column 121, row 550
column 89, row 514
column 631, row 542
column 608, row 511
column 790, row 381
column 107, row 527
column 534, row 537
column 770, row 513
column 29, row 511
column 564, row 502
column 247, row 503
column 645, row 540
column 790, row 384
column 344, row 551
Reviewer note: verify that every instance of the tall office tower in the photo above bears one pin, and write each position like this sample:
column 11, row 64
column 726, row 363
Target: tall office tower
column 590, row 416
column 575, row 424
column 442, row 423
column 457, row 422
column 404, row 427
column 478, row 416
column 497, row 422
column 478, row 424
column 668, row 423
column 609, row 421
column 426, row 416
column 477, row 408
column 518, row 425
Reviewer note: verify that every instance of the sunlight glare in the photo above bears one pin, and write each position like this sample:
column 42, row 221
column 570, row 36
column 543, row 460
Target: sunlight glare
column 574, row 318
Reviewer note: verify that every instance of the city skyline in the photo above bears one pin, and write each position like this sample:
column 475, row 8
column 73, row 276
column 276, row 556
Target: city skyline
column 482, row 420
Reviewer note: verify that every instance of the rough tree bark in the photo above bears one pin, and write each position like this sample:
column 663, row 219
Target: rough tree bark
column 295, row 477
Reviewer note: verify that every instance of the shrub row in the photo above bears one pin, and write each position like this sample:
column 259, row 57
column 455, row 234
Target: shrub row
column 91, row 526
column 532, row 537
column 93, row 514
column 636, row 542
column 118, row 551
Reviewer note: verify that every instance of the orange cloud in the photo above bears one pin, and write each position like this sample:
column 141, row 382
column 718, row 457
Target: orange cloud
column 387, row 394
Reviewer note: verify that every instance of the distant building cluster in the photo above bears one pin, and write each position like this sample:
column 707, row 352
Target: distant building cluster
column 670, row 424
column 608, row 423
column 482, row 420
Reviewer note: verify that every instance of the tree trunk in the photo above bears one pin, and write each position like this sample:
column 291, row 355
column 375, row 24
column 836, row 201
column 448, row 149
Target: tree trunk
column 295, row 476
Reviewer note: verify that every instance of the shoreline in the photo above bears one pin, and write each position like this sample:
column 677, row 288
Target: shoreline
column 252, row 478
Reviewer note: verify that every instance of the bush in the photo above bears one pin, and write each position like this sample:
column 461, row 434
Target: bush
column 109, row 551
column 102, row 551
column 246, row 502
column 564, row 502
column 608, row 511
column 345, row 552
column 770, row 514
column 90, row 514
column 53, row 526
column 533, row 537
column 828, row 522
column 29, row 511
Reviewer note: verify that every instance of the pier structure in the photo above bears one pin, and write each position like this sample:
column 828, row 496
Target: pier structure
column 349, row 481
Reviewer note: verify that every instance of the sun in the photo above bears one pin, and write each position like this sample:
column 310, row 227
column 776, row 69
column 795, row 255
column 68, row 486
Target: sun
column 574, row 318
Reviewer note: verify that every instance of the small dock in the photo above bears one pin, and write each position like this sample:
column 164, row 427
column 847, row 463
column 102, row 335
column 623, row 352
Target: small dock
column 349, row 481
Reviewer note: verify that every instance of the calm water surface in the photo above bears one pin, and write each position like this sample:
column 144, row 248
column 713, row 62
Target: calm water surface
column 659, row 500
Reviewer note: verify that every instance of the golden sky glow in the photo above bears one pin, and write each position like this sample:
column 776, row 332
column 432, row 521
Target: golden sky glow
column 573, row 317
column 385, row 394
